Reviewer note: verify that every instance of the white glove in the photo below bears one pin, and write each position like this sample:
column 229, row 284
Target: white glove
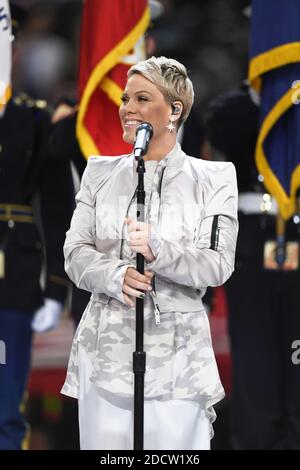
column 47, row 317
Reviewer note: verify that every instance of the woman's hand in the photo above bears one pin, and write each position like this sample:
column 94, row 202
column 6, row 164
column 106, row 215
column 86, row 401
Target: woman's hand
column 134, row 280
column 139, row 233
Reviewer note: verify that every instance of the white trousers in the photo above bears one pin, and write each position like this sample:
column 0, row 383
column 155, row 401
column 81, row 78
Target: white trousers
column 107, row 424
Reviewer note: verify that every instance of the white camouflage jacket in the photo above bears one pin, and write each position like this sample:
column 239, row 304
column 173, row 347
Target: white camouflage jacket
column 193, row 241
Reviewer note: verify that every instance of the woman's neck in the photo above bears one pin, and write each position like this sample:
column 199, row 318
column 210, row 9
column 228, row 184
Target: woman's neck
column 158, row 151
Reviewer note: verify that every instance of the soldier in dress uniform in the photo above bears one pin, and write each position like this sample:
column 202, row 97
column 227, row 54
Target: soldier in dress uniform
column 35, row 207
column 263, row 292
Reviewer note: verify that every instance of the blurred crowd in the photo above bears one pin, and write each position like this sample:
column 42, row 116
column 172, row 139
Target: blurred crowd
column 209, row 36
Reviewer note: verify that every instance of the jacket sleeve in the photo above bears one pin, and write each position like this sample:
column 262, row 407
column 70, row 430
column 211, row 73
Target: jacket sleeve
column 209, row 261
column 88, row 268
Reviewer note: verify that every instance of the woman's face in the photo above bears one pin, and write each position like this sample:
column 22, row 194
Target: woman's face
column 143, row 102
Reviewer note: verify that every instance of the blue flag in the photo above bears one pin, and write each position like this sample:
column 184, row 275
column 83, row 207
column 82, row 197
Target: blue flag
column 274, row 71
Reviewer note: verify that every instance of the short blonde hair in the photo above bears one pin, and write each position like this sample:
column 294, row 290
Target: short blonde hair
column 172, row 80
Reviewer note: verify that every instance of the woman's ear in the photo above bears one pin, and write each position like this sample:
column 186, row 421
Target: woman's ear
column 176, row 109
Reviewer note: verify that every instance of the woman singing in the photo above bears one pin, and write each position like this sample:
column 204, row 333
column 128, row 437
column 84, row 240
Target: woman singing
column 188, row 241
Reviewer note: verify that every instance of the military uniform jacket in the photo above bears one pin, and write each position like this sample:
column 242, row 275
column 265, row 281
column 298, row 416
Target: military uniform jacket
column 39, row 190
column 192, row 207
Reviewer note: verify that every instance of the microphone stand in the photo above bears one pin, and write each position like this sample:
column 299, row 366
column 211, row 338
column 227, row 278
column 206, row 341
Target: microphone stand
column 139, row 356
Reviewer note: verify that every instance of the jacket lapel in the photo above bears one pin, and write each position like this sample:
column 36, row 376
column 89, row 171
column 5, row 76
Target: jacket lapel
column 124, row 182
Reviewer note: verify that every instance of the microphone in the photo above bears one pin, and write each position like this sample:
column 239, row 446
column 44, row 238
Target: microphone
column 144, row 133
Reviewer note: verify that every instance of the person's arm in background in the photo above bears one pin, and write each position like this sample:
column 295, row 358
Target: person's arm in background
column 56, row 206
column 63, row 141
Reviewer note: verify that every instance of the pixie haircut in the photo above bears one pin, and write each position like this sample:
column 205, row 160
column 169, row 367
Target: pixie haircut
column 171, row 78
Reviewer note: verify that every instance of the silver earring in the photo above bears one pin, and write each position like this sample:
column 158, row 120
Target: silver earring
column 171, row 126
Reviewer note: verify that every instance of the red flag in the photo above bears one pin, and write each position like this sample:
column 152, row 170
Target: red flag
column 111, row 41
